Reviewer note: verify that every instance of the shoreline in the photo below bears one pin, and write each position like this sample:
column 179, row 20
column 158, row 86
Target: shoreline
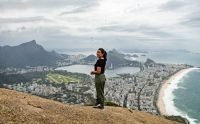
column 161, row 105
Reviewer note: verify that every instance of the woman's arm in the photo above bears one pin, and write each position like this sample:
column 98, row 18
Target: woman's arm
column 98, row 71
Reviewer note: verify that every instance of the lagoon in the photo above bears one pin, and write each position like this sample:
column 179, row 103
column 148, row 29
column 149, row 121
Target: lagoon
column 86, row 69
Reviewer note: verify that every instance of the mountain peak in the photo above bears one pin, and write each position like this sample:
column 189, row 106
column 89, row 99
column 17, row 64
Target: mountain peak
column 17, row 107
column 30, row 43
column 27, row 54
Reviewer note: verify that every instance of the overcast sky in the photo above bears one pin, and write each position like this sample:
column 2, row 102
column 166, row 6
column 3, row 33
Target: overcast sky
column 63, row 24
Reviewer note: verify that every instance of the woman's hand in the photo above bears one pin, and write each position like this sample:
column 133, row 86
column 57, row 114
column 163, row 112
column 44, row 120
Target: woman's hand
column 98, row 71
column 92, row 73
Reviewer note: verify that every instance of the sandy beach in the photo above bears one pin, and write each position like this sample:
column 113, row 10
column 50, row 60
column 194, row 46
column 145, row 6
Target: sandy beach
column 166, row 83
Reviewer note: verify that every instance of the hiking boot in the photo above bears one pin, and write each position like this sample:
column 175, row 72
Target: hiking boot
column 99, row 106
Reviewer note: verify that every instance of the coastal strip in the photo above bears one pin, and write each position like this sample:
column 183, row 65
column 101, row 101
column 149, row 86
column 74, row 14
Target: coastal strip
column 165, row 86
column 165, row 103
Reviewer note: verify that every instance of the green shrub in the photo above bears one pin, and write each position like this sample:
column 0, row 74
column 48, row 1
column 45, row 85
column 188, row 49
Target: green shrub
column 109, row 103
column 177, row 119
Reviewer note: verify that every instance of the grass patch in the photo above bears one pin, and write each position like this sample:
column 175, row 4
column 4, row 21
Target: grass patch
column 58, row 79
column 109, row 103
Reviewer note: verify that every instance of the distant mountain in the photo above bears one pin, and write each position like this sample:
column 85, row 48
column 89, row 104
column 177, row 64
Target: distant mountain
column 27, row 54
column 117, row 59
column 152, row 63
column 149, row 62
column 89, row 59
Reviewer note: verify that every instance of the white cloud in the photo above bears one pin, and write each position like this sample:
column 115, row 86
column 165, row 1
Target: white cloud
column 90, row 23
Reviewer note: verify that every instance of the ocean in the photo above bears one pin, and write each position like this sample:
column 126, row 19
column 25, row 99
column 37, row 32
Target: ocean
column 187, row 96
column 174, row 57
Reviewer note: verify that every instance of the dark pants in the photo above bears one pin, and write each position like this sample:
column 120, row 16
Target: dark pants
column 99, row 84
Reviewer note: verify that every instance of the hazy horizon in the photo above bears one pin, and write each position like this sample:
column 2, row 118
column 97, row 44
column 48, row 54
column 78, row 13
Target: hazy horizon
column 88, row 51
column 79, row 24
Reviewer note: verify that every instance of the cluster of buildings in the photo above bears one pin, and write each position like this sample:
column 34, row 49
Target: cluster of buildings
column 27, row 69
column 140, row 90
column 34, row 88
column 73, row 93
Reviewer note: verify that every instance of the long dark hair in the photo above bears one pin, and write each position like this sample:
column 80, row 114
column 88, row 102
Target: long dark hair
column 104, row 53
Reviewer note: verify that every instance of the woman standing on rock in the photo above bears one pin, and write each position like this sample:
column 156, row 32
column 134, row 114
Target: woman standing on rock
column 99, row 69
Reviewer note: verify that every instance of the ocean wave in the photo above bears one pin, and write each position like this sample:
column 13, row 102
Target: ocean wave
column 169, row 97
column 180, row 87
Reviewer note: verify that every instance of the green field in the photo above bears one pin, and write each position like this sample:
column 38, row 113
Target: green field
column 57, row 78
